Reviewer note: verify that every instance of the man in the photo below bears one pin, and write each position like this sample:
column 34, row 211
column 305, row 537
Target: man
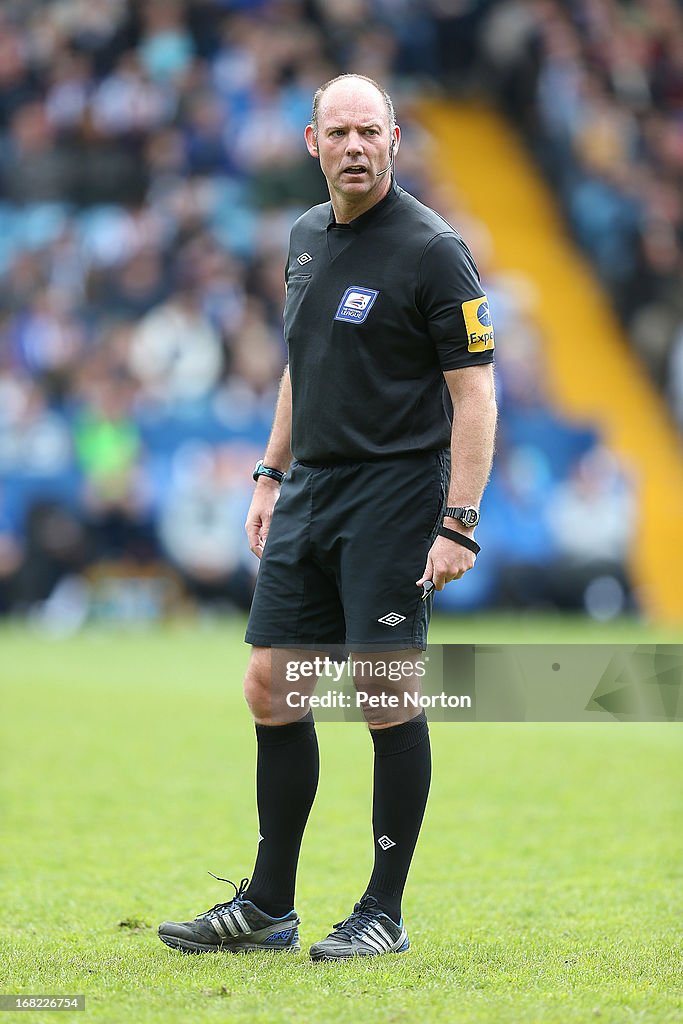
column 383, row 305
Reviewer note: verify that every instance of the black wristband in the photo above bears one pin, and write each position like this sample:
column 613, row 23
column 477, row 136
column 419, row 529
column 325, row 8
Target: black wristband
column 460, row 538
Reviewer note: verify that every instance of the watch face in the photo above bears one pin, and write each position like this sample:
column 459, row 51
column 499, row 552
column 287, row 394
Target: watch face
column 470, row 517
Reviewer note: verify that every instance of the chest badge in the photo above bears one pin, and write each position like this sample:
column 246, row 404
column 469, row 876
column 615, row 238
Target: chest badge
column 355, row 305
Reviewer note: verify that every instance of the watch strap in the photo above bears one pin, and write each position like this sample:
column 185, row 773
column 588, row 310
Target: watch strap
column 454, row 511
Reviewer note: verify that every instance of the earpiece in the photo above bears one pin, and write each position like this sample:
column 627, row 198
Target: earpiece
column 391, row 158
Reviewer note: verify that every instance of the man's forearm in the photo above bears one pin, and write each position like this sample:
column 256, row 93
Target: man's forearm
column 278, row 452
column 472, row 435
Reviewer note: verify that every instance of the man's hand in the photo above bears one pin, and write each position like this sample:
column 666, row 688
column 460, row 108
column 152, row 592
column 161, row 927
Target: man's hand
column 447, row 561
column 260, row 513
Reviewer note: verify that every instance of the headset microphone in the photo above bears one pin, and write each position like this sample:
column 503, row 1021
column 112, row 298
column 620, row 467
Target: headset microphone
column 378, row 174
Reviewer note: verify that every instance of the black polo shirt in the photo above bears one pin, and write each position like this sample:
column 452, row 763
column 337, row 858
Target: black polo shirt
column 376, row 310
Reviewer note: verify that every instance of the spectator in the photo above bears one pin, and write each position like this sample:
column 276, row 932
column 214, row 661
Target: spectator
column 201, row 524
column 108, row 448
column 37, row 168
column 175, row 352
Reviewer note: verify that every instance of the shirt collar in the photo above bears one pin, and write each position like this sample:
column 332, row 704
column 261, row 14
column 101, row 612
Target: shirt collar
column 359, row 223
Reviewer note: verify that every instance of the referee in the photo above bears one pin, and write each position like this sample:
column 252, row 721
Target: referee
column 380, row 450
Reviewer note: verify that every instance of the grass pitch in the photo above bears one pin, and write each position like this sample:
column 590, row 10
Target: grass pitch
column 546, row 886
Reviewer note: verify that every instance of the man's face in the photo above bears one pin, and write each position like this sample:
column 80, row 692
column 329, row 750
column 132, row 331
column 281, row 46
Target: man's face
column 353, row 141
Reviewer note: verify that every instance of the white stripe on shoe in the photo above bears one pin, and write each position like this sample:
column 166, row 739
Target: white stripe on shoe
column 230, row 924
column 372, row 941
column 218, row 928
column 241, row 920
column 379, row 927
column 382, row 939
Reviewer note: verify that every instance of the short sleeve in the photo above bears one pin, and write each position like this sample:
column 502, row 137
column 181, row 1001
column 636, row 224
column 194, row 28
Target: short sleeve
column 289, row 257
column 451, row 299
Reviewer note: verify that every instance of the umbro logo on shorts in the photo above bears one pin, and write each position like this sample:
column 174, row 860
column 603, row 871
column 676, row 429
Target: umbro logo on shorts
column 304, row 258
column 391, row 619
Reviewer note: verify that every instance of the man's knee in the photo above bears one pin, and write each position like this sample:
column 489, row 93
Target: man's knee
column 267, row 685
column 388, row 685
column 258, row 683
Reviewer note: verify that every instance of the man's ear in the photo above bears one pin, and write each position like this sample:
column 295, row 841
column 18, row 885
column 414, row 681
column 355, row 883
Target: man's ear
column 395, row 140
column 311, row 141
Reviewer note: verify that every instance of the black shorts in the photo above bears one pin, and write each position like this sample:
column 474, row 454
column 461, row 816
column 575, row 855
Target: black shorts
column 346, row 545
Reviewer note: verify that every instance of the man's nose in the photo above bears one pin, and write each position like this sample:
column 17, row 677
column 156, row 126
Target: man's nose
column 354, row 143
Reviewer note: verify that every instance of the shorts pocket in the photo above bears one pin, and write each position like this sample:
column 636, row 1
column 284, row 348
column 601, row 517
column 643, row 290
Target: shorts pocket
column 443, row 468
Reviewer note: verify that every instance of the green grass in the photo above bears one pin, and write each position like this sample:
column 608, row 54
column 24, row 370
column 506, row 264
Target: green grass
column 546, row 886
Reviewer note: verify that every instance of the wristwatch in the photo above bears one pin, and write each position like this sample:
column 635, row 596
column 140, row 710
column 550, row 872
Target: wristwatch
column 269, row 471
column 467, row 514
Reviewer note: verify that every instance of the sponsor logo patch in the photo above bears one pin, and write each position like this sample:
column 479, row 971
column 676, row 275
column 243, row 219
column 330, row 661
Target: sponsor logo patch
column 478, row 324
column 355, row 305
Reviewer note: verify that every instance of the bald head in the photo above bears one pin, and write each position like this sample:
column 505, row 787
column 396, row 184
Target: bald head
column 358, row 88
column 355, row 137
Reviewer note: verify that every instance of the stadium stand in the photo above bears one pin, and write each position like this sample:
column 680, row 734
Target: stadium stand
column 151, row 163
column 589, row 374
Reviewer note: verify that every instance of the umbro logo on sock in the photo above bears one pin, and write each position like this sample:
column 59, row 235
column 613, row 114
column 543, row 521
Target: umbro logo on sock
column 385, row 842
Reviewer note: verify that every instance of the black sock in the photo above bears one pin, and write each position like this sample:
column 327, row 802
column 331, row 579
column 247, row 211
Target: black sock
column 403, row 771
column 287, row 769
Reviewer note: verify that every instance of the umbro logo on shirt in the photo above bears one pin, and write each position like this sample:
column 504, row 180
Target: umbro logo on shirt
column 355, row 305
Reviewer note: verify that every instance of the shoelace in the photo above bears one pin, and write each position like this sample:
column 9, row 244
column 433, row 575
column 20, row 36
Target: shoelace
column 363, row 913
column 238, row 898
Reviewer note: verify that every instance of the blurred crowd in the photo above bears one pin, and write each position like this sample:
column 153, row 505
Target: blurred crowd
column 598, row 87
column 151, row 165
